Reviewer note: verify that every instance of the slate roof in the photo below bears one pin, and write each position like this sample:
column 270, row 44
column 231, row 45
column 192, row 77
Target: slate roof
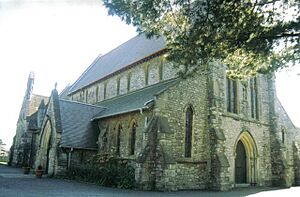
column 35, row 120
column 64, row 93
column 32, row 121
column 77, row 128
column 126, row 54
column 133, row 101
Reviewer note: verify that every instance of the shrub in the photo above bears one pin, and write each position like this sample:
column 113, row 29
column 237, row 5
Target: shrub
column 105, row 170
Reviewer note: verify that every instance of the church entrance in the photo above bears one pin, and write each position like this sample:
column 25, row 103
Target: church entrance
column 240, row 164
column 245, row 160
column 45, row 147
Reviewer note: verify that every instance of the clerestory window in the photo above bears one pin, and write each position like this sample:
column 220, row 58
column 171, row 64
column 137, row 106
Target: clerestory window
column 253, row 98
column 231, row 96
column 162, row 71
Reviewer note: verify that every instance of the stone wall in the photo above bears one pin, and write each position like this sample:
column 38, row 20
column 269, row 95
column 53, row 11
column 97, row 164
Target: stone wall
column 233, row 127
column 177, row 171
column 286, row 136
column 108, row 133
column 79, row 157
column 227, row 128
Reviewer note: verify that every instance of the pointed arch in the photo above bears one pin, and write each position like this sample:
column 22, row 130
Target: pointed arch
column 45, row 145
column 118, row 138
column 251, row 155
column 132, row 136
column 189, row 116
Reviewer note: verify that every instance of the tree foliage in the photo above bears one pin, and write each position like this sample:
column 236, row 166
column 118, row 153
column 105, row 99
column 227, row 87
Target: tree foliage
column 249, row 36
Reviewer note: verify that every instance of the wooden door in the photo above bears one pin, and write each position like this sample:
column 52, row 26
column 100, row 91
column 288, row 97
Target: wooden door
column 240, row 164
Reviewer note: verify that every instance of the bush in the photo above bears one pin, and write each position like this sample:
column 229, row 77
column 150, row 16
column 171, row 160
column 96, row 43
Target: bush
column 106, row 171
column 4, row 159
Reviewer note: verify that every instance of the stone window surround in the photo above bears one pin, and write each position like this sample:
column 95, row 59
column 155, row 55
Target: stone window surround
column 146, row 70
column 283, row 136
column 132, row 137
column 254, row 98
column 239, row 95
column 97, row 93
column 128, row 81
column 232, row 85
column 189, row 117
column 118, row 139
column 104, row 90
column 161, row 70
column 118, row 85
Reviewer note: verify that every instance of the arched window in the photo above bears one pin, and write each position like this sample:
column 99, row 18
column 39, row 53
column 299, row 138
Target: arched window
column 283, row 136
column 97, row 93
column 231, row 95
column 146, row 74
column 162, row 71
column 128, row 82
column 188, row 131
column 104, row 90
column 119, row 128
column 118, row 86
column 132, row 139
column 86, row 96
column 253, row 98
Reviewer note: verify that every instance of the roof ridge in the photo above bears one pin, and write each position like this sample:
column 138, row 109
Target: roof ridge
column 128, row 53
column 40, row 95
column 84, row 72
column 68, row 86
column 124, row 43
column 96, row 60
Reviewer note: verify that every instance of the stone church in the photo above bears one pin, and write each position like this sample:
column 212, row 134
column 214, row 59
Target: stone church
column 201, row 132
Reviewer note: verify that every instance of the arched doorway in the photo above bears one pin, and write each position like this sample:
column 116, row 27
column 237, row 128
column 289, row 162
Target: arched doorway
column 245, row 152
column 45, row 146
column 240, row 164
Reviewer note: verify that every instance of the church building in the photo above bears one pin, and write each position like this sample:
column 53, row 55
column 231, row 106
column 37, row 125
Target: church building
column 205, row 131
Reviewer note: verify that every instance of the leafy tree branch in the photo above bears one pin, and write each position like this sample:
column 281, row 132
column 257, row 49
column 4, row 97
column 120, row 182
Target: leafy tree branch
column 249, row 36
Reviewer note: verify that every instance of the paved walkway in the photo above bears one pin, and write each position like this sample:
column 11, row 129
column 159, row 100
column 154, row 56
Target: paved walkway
column 13, row 183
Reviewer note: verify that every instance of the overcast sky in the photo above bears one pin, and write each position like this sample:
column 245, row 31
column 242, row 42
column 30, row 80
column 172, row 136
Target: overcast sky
column 58, row 40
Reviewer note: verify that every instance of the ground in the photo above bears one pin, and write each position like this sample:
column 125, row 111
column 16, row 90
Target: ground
column 13, row 183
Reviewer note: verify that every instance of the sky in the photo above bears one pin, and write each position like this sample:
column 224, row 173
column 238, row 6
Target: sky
column 58, row 40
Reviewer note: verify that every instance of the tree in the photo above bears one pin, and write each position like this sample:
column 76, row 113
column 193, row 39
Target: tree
column 249, row 36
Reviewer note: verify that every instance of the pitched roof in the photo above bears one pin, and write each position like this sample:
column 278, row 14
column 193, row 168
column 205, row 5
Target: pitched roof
column 64, row 93
column 32, row 121
column 133, row 101
column 126, row 54
column 77, row 128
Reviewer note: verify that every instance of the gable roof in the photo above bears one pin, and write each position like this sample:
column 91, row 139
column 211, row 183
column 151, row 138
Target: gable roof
column 32, row 121
column 64, row 93
column 133, row 101
column 77, row 128
column 126, row 54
